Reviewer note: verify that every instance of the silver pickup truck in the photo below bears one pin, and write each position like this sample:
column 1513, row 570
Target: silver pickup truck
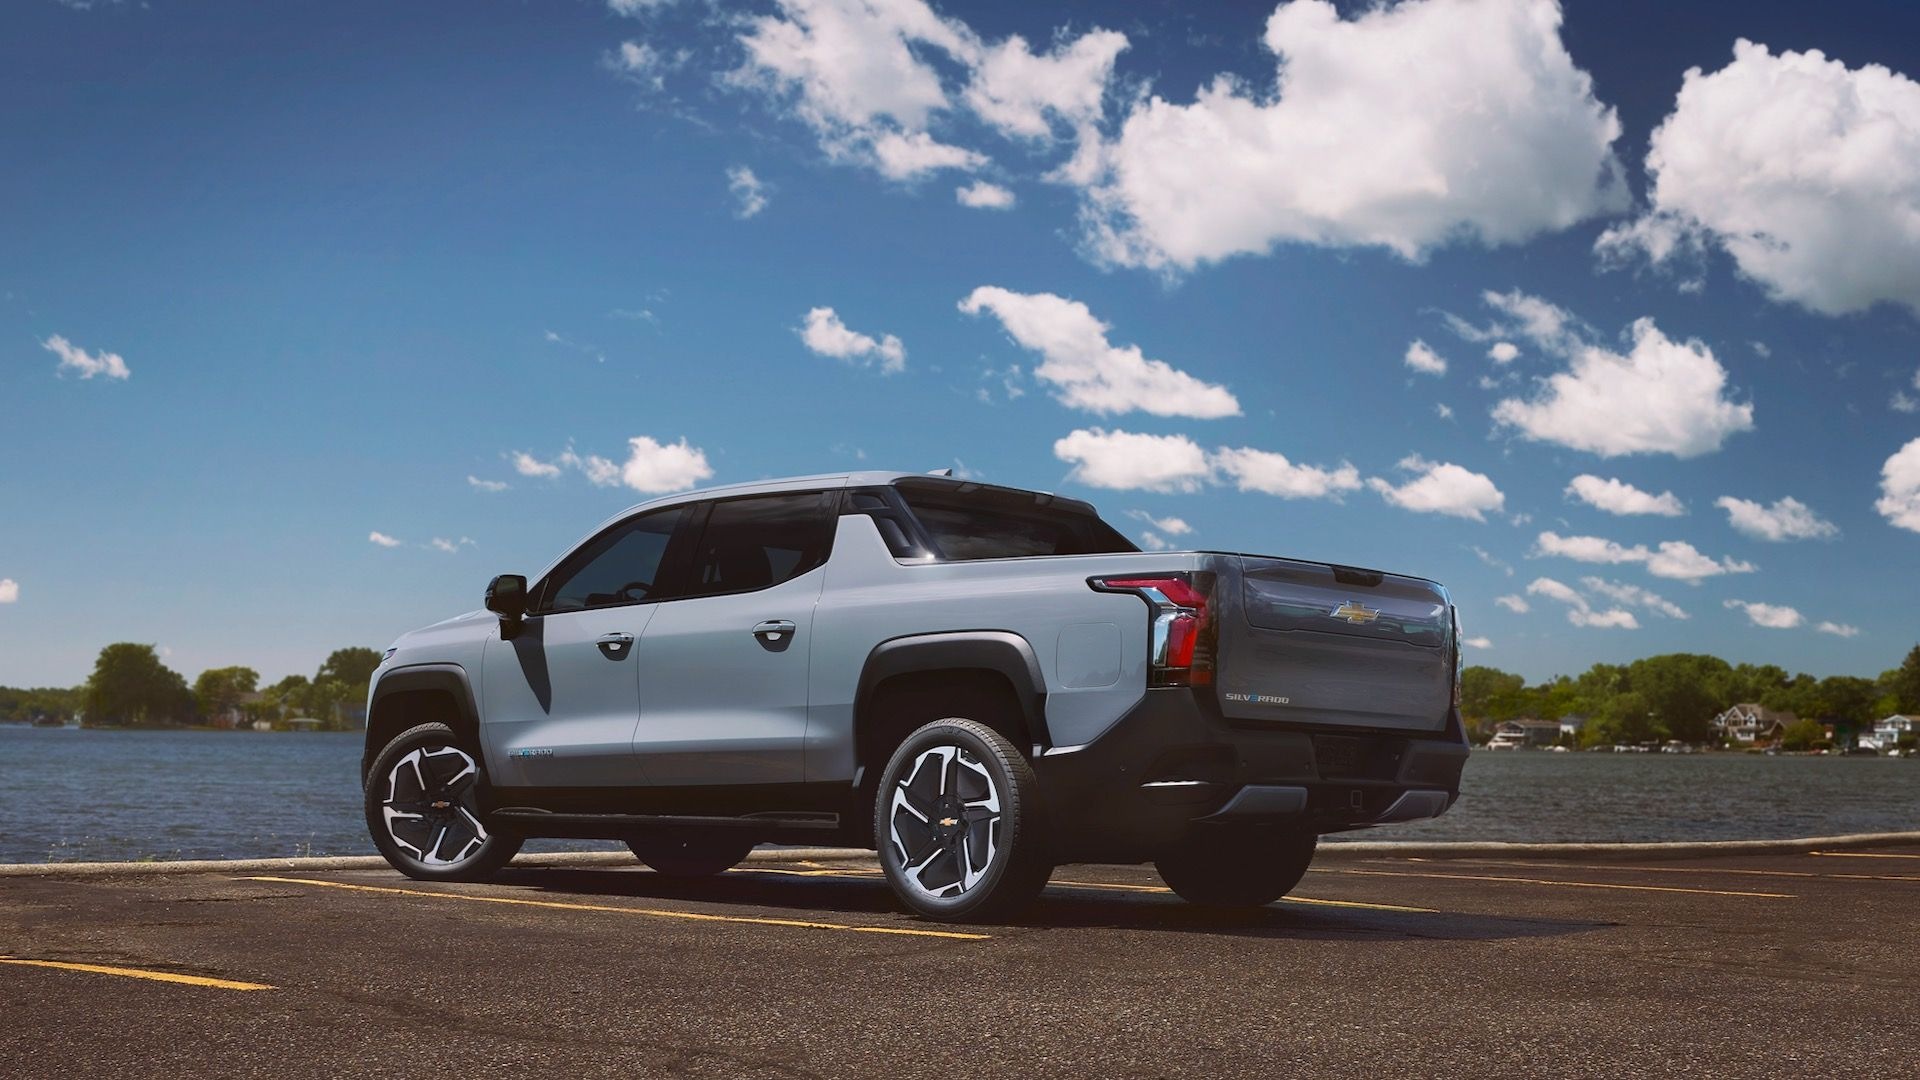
column 978, row 682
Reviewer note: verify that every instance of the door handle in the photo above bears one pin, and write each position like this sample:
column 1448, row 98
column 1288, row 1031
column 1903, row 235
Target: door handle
column 615, row 646
column 773, row 629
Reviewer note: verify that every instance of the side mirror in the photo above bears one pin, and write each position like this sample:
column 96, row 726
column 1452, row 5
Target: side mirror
column 507, row 598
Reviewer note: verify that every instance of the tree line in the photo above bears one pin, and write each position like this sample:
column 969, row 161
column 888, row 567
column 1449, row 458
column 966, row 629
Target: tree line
column 131, row 685
column 1676, row 696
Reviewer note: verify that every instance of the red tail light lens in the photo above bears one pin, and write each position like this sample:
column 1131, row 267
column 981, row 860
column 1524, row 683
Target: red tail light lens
column 1179, row 606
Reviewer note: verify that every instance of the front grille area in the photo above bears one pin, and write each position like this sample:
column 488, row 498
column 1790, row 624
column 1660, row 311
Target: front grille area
column 1356, row 757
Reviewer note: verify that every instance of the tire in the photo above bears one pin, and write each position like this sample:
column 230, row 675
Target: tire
column 425, row 798
column 684, row 855
column 958, row 823
column 1237, row 867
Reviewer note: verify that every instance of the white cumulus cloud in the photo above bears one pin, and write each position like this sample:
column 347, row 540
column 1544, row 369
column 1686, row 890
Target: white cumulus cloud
column 1619, row 497
column 1441, row 488
column 915, row 154
column 1026, row 94
column 1771, row 616
column 1545, row 324
column 749, row 194
column 527, row 465
column 1088, row 371
column 1621, row 592
column 826, row 335
column 1477, row 642
column 383, row 540
column 1675, row 559
column 653, row 467
column 1421, row 357
column 1406, row 127
column 1661, row 397
column 1899, row 500
column 1805, row 171
column 1124, row 460
column 1580, row 611
column 9, row 591
column 485, row 485
column 1841, row 630
column 1172, row 526
column 77, row 360
column 1273, row 474
column 1514, row 603
column 1786, row 519
column 984, row 196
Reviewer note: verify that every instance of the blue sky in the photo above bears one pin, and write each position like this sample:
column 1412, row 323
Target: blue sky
column 279, row 278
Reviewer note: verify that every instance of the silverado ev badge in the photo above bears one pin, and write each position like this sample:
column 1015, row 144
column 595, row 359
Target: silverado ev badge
column 1355, row 613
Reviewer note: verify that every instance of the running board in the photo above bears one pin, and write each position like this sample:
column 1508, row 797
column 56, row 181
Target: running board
column 533, row 821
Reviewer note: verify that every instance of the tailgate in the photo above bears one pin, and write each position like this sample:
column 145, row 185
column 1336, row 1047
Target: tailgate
column 1312, row 643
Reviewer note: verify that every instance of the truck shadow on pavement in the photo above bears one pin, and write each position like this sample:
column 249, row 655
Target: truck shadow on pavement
column 1060, row 907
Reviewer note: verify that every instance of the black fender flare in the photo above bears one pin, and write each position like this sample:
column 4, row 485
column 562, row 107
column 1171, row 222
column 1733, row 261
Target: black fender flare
column 1000, row 651
column 448, row 678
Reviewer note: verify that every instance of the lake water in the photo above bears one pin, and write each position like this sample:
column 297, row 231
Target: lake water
column 111, row 795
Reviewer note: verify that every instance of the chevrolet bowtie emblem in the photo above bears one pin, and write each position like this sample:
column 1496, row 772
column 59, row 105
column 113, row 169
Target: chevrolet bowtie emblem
column 948, row 823
column 1355, row 612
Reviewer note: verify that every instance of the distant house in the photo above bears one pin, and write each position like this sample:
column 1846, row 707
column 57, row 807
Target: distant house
column 1525, row 733
column 235, row 715
column 1888, row 733
column 1754, row 725
column 1570, row 727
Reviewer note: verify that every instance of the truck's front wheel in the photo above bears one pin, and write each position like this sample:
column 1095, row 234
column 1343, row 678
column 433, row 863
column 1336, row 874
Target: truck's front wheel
column 1227, row 866
column 958, row 825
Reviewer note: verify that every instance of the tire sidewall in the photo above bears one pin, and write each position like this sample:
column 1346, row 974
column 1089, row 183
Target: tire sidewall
column 494, row 852
column 1018, row 806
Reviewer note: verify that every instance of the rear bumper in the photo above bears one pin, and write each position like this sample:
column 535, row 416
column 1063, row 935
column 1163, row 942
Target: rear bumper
column 1171, row 765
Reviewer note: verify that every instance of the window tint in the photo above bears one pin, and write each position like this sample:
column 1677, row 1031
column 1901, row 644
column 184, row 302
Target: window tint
column 759, row 542
column 1001, row 523
column 620, row 566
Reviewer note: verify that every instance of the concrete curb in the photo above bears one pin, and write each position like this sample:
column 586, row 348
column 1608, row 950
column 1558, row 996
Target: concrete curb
column 1334, row 850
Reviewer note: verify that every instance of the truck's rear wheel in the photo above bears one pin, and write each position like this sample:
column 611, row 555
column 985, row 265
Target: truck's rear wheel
column 690, row 856
column 1229, row 866
column 957, row 821
column 425, row 808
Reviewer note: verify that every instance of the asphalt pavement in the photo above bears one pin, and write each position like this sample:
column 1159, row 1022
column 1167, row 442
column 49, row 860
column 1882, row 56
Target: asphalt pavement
column 1765, row 966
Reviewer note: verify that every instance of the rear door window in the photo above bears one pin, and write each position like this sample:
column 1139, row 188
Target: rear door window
column 760, row 541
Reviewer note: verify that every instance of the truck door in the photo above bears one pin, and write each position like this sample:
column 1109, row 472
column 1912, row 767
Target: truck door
column 723, row 665
column 559, row 702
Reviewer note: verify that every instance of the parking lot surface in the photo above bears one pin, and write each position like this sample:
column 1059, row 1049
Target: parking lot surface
column 1751, row 966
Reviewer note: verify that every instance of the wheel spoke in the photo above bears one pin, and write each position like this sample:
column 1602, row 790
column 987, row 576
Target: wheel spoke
column 936, row 861
column 431, row 809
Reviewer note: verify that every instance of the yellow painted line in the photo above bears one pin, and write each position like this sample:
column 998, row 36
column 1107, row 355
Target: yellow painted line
column 140, row 973
column 1859, row 855
column 1110, row 885
column 657, row 913
column 1636, row 869
column 1565, row 884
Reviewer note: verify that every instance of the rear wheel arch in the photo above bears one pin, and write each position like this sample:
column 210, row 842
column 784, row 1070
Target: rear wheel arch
column 991, row 677
column 407, row 697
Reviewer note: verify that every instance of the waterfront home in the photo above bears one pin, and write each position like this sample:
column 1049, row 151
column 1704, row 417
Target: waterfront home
column 1888, row 733
column 1570, row 727
column 1753, row 725
column 1525, row 733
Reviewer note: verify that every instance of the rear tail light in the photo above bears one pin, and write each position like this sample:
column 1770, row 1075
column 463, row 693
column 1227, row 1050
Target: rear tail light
column 1181, row 644
column 1459, row 659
